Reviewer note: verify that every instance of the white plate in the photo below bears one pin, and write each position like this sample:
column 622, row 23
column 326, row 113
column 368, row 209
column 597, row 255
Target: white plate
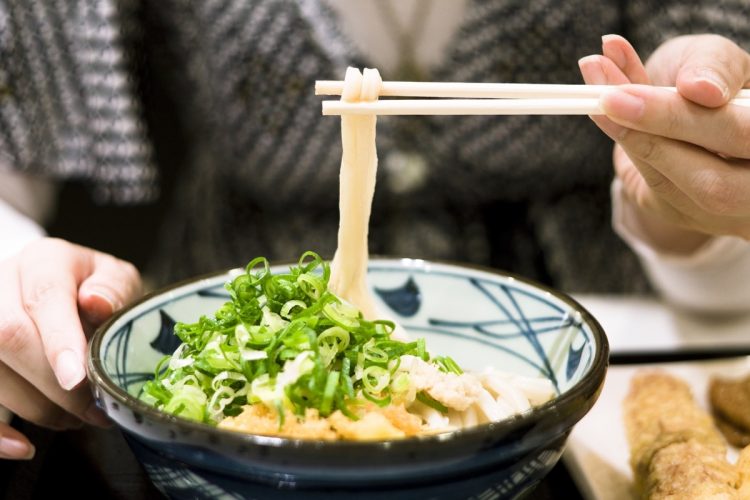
column 597, row 453
column 638, row 326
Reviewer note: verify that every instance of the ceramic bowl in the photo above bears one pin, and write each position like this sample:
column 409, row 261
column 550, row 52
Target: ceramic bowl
column 479, row 317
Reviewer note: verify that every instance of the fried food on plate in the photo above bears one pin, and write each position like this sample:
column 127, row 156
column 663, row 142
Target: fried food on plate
column 730, row 401
column 676, row 452
column 736, row 436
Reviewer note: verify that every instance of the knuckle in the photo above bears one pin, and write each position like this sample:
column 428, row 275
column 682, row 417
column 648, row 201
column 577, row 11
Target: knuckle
column 13, row 332
column 674, row 125
column 134, row 278
column 48, row 244
column 660, row 184
column 718, row 195
column 131, row 271
column 39, row 296
column 738, row 132
column 123, row 268
column 646, row 147
column 728, row 57
column 657, row 182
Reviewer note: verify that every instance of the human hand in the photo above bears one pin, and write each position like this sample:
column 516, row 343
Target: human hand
column 51, row 296
column 683, row 158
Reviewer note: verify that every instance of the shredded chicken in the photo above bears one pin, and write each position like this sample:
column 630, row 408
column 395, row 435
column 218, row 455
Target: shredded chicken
column 454, row 391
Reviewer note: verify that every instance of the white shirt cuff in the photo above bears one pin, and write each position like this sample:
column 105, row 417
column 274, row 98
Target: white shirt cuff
column 16, row 231
column 715, row 278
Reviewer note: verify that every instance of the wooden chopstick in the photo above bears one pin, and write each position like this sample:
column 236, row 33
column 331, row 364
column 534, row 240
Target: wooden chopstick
column 482, row 90
column 580, row 106
column 552, row 106
column 479, row 99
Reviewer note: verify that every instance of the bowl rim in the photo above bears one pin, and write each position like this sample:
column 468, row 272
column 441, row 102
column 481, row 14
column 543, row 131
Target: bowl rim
column 588, row 387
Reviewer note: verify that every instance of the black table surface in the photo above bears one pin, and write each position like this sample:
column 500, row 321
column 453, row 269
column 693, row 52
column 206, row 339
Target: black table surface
column 97, row 463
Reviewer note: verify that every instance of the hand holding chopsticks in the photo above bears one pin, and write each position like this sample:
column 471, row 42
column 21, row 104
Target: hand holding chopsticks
column 479, row 99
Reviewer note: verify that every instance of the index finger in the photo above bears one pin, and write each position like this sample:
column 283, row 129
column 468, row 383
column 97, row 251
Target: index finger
column 664, row 113
column 49, row 274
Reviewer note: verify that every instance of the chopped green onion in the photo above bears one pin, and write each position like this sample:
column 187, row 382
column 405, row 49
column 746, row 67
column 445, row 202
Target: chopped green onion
column 431, row 402
column 421, row 350
column 328, row 393
column 312, row 286
column 373, row 353
column 375, row 379
column 448, row 365
column 257, row 277
column 287, row 342
column 342, row 314
column 286, row 309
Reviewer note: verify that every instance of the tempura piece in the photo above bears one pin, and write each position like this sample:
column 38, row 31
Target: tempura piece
column 676, row 452
column 689, row 469
column 372, row 426
column 375, row 423
column 730, row 401
column 734, row 435
column 743, row 468
column 259, row 419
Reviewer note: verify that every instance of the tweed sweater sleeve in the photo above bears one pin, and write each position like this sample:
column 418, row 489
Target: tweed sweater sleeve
column 68, row 106
column 649, row 23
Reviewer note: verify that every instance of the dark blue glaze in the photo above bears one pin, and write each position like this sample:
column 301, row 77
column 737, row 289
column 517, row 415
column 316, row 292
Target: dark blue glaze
column 166, row 341
column 404, row 300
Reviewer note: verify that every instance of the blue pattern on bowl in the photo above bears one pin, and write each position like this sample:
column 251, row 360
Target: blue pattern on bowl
column 479, row 318
column 404, row 300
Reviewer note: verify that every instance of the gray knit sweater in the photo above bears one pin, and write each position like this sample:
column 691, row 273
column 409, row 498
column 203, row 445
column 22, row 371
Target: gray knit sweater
column 257, row 172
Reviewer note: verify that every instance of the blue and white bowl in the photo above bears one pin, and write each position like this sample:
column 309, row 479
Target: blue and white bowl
column 479, row 317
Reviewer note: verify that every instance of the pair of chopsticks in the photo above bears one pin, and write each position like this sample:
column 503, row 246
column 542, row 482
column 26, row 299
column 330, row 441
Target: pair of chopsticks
column 478, row 99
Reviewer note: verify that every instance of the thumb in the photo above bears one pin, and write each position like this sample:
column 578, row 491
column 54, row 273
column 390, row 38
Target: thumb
column 712, row 70
column 112, row 284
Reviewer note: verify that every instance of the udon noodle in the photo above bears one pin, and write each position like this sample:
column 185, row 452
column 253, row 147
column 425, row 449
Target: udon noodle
column 359, row 165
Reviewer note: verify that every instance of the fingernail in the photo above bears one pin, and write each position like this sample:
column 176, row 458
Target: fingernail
column 98, row 310
column 615, row 52
column 592, row 70
column 712, row 78
column 15, row 448
column 94, row 415
column 69, row 369
column 623, row 105
column 105, row 296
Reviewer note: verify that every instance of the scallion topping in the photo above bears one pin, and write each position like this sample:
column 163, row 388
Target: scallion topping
column 285, row 341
